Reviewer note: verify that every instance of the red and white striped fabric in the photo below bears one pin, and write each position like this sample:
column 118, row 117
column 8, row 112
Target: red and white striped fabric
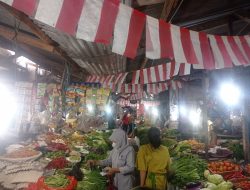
column 175, row 85
column 138, row 96
column 137, row 88
column 151, row 103
column 163, row 87
column 136, row 77
column 108, row 80
column 152, row 88
column 127, row 88
column 128, row 30
column 243, row 42
column 183, row 69
column 119, row 78
column 120, row 88
column 91, row 20
column 226, row 51
column 164, row 40
column 102, row 79
column 93, row 78
column 153, row 74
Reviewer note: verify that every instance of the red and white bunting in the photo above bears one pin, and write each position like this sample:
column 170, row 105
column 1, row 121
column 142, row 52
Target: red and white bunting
column 227, row 50
column 128, row 29
column 184, row 69
column 152, row 88
column 102, row 79
column 93, row 78
column 97, row 20
column 120, row 88
column 163, row 87
column 153, row 74
column 108, row 80
column 243, row 42
column 135, row 77
column 164, row 40
column 137, row 88
column 175, row 85
column 119, row 78
column 127, row 88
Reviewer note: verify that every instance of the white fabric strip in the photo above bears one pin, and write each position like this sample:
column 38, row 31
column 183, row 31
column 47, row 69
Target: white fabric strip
column 121, row 30
column 152, row 72
column 177, row 68
column 145, row 76
column 219, row 62
column 230, row 51
column 9, row 2
column 160, row 69
column 89, row 20
column 239, row 44
column 153, row 31
column 177, row 45
column 168, row 70
column 197, row 49
column 137, row 76
column 48, row 11
column 187, row 68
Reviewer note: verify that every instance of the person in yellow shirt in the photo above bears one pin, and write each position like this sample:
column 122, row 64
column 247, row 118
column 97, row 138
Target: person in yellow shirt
column 153, row 162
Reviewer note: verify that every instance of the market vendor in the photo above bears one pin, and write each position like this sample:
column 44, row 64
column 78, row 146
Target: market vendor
column 153, row 162
column 121, row 161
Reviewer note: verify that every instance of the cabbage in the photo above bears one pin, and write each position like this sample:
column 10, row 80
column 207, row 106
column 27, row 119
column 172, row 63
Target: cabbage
column 206, row 173
column 211, row 186
column 215, row 179
column 225, row 185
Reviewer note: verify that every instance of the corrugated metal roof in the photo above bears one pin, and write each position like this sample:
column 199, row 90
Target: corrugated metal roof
column 97, row 59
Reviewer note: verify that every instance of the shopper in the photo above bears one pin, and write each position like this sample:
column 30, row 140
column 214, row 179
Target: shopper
column 153, row 162
column 121, row 161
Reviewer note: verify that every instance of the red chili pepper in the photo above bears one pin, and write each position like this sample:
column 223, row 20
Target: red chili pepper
column 57, row 163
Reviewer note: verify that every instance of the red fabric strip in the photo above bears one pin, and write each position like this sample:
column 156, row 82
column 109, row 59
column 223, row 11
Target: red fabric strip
column 236, row 50
column 26, row 6
column 188, row 46
column 165, row 40
column 207, row 56
column 182, row 69
column 107, row 21
column 245, row 46
column 157, row 73
column 149, row 75
column 227, row 60
column 136, row 26
column 69, row 16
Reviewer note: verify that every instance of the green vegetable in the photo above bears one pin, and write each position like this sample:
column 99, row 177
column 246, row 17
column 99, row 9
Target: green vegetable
column 225, row 186
column 215, row 179
column 57, row 181
column 188, row 168
column 53, row 155
column 211, row 186
column 92, row 181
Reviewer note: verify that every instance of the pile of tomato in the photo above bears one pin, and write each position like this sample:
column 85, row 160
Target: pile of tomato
column 244, row 185
column 247, row 168
column 225, row 166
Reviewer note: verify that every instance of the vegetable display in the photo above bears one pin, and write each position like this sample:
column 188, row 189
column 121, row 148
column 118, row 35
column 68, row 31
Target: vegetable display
column 243, row 185
column 57, row 163
column 216, row 182
column 53, row 155
column 235, row 175
column 58, row 181
column 221, row 167
column 92, row 181
column 186, row 169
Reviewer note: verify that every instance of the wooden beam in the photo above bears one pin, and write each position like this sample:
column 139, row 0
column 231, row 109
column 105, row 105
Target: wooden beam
column 26, row 39
column 149, row 2
column 29, row 53
column 42, row 35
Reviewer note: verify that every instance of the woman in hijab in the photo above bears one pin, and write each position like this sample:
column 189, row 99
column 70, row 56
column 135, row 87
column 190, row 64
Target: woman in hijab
column 121, row 161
